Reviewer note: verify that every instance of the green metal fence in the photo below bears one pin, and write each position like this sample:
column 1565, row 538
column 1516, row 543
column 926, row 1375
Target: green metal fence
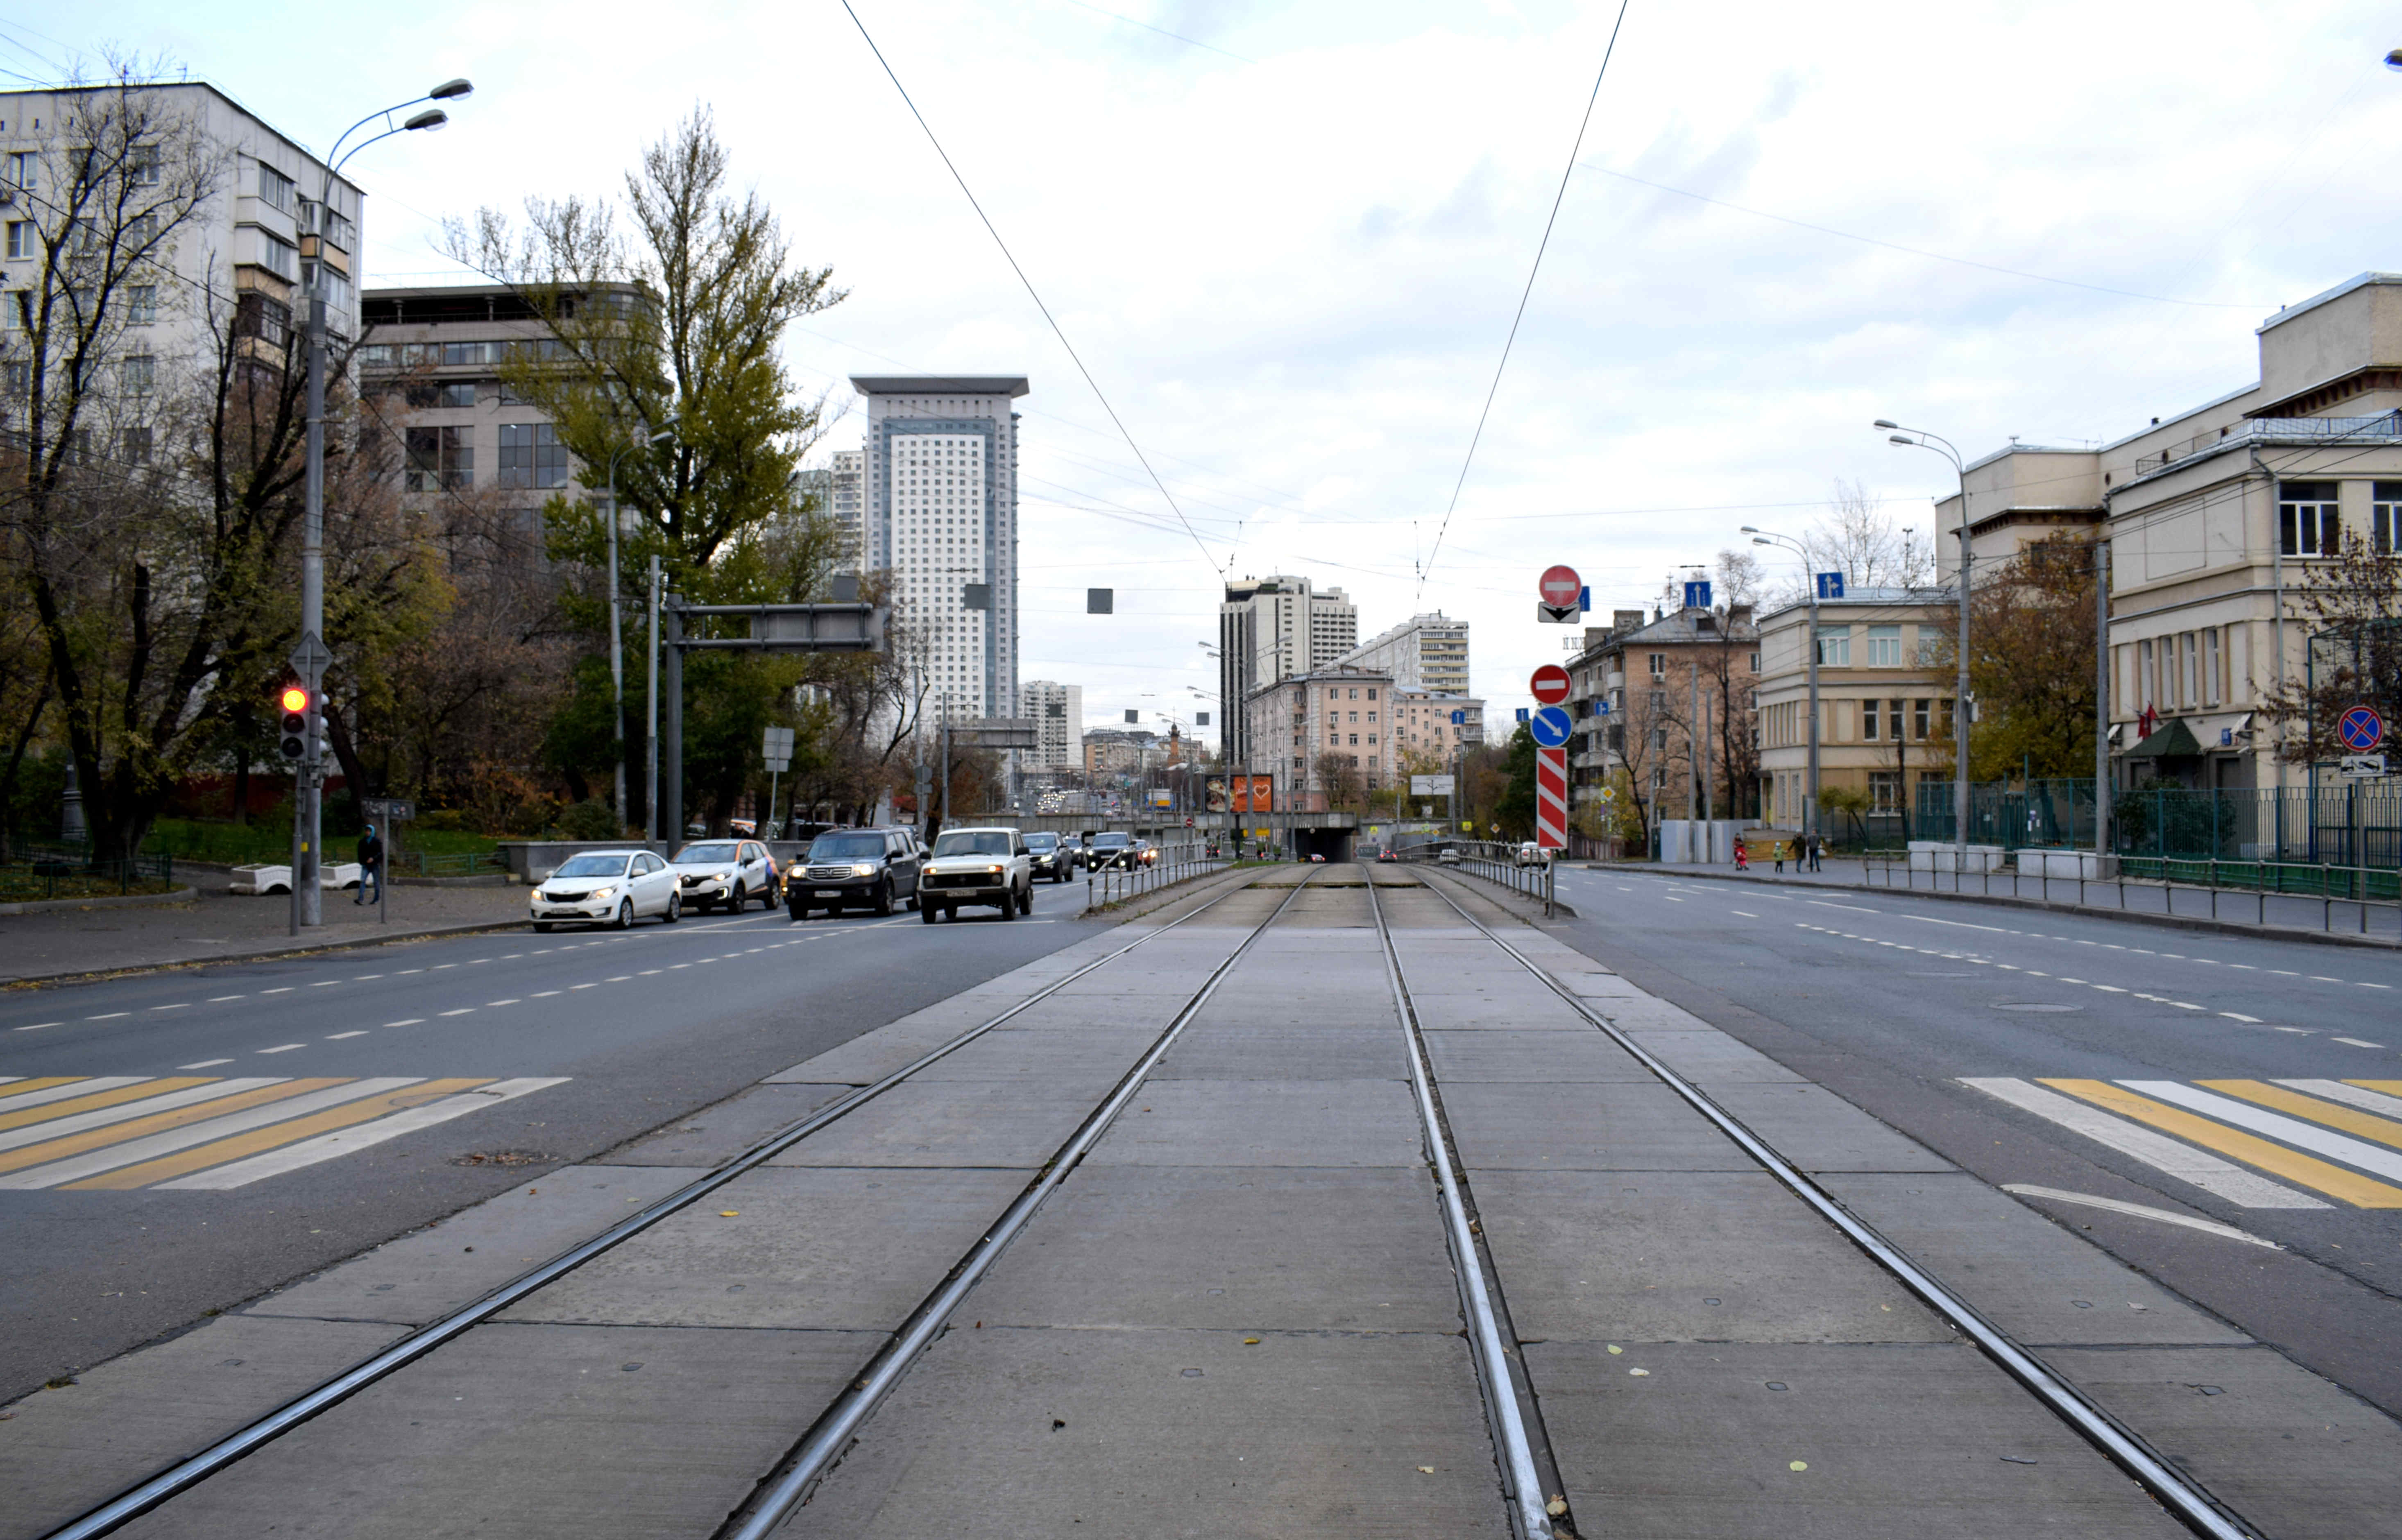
column 66, row 872
column 2335, row 821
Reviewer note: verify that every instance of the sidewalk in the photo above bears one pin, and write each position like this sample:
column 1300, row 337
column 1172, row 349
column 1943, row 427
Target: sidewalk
column 219, row 927
column 2288, row 916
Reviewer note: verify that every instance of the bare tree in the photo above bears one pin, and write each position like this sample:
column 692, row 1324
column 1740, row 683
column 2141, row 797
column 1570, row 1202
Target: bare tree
column 1857, row 538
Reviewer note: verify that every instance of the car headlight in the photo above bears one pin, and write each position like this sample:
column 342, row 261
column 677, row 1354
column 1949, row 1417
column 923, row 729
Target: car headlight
column 599, row 893
column 863, row 868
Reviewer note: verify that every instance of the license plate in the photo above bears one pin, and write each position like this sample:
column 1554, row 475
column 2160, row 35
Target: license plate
column 828, row 893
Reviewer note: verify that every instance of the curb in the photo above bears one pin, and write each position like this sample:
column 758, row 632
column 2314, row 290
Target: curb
column 81, row 975
column 129, row 901
column 2167, row 922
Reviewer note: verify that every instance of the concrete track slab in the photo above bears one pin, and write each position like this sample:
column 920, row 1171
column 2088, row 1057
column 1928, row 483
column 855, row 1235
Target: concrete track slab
column 1013, row 1123
column 1711, row 1057
column 1818, row 1131
column 1683, row 1256
column 461, row 1259
column 1895, row 1442
column 1546, row 1012
column 1002, row 1435
column 833, row 1250
column 2294, row 1454
column 2029, row 1277
column 535, row 1432
column 1594, row 1126
column 1497, row 1055
column 1264, row 1122
column 1208, row 1051
column 1228, row 1248
column 715, row 1134
column 1648, row 1014
column 68, row 1448
column 1045, row 1053
column 872, row 1055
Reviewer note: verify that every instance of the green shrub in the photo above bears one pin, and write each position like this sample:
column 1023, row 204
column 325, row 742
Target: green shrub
column 589, row 820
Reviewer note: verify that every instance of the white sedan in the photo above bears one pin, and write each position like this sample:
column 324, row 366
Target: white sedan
column 607, row 887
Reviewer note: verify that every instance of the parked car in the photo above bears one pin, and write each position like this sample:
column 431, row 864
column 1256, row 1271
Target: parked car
column 727, row 871
column 978, row 866
column 1111, row 848
column 606, row 887
column 854, row 868
column 1447, row 855
column 1050, row 857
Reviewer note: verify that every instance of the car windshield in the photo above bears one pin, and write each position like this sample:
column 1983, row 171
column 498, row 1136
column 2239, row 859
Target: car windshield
column 705, row 855
column 974, row 842
column 847, row 847
column 592, row 866
column 1040, row 842
column 1108, row 842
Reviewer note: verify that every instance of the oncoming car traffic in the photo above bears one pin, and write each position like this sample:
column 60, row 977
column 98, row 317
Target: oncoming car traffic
column 874, row 868
column 607, row 887
column 727, row 871
column 1051, row 856
column 977, row 866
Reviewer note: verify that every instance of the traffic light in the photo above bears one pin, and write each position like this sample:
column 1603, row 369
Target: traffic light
column 294, row 700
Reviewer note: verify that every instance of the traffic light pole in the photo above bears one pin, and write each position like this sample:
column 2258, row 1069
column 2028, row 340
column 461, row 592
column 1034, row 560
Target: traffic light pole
column 308, row 805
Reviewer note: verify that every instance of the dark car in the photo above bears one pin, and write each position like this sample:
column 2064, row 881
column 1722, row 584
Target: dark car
column 1388, row 854
column 1071, row 850
column 854, row 868
column 1111, row 848
column 1051, row 856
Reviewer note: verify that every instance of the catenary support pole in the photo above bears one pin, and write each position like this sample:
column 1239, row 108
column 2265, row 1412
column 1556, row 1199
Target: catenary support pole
column 2102, row 698
column 1961, row 712
column 308, row 846
column 651, row 739
column 671, row 771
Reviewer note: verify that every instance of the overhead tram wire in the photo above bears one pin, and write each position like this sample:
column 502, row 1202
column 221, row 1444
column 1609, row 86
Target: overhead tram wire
column 1011, row 258
column 1557, row 198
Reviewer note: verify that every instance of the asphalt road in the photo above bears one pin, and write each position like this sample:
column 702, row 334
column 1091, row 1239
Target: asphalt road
column 638, row 1027
column 1899, row 1003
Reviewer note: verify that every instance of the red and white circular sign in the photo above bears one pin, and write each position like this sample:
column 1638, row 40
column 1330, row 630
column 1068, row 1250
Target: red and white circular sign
column 1549, row 685
column 1560, row 586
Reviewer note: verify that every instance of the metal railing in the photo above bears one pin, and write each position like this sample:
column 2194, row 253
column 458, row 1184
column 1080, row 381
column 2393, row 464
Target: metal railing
column 2334, row 822
column 1493, row 861
column 1180, row 863
column 41, row 874
column 2360, row 889
column 467, row 864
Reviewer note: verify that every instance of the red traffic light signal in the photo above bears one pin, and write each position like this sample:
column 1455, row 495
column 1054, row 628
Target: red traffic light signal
column 294, row 698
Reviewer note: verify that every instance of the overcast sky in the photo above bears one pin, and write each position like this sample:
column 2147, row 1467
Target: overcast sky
column 1288, row 243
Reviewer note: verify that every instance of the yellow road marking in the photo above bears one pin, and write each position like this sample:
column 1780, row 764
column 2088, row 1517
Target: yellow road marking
column 2391, row 1087
column 2365, row 1125
column 98, row 1099
column 185, row 1161
column 157, row 1123
column 40, row 1082
column 2333, row 1180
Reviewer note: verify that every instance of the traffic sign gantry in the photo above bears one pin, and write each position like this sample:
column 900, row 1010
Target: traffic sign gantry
column 1560, row 586
column 2361, row 729
column 1549, row 684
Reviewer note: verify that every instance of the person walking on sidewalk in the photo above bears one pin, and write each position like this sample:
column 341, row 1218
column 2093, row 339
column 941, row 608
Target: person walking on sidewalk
column 1776, row 853
column 370, row 866
column 1817, row 849
column 1742, row 856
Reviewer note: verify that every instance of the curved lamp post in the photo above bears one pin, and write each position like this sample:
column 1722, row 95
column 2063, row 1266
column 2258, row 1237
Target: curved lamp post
column 1810, row 580
column 1918, row 438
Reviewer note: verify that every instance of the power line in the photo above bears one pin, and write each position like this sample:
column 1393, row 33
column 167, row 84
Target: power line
column 1162, row 32
column 1011, row 258
column 1544, row 245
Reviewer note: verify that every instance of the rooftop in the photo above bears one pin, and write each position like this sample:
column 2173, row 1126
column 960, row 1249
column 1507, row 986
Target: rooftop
column 1010, row 385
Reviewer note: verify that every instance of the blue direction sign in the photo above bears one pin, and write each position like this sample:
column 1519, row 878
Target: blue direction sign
column 1551, row 726
column 1831, row 585
column 2361, row 729
column 1697, row 595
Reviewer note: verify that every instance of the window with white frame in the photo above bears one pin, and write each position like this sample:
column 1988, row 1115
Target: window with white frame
column 1834, row 647
column 2212, row 686
column 141, row 303
column 1867, row 721
column 2307, row 523
column 24, row 241
column 275, row 189
column 2385, row 517
column 1884, row 646
column 1885, row 790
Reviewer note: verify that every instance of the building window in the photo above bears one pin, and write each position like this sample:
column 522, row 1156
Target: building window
column 141, row 303
column 531, row 455
column 1372, row 696
column 1885, row 790
column 1868, row 721
column 2307, row 525
column 24, row 168
column 1884, row 646
column 279, row 257
column 1755, row 663
column 2147, row 676
column 139, row 374
column 137, row 447
column 440, row 456
column 1659, row 665
column 2210, row 688
column 2190, row 693
column 457, row 394
column 141, row 165
column 1918, row 719
column 24, row 244
column 1834, row 647
column 257, row 315
column 274, row 189
column 2384, row 516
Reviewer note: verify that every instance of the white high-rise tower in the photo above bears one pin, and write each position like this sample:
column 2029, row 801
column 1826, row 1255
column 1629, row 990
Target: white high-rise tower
column 940, row 485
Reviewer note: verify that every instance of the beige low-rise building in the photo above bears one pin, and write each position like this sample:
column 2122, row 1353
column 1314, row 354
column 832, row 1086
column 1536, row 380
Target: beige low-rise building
column 1296, row 725
column 1881, row 706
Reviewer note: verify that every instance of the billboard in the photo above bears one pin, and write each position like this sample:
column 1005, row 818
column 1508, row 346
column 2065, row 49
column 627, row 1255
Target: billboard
column 1249, row 793
column 1162, row 797
column 1429, row 786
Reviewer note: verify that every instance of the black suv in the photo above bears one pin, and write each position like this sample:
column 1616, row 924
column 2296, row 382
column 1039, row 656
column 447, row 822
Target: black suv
column 1052, row 857
column 846, row 868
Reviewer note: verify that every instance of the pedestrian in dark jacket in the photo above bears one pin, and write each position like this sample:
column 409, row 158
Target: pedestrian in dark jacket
column 370, row 865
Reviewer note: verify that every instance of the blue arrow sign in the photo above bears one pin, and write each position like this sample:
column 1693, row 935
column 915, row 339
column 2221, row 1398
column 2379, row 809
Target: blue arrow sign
column 1831, row 585
column 1460, row 719
column 1551, row 726
column 1697, row 595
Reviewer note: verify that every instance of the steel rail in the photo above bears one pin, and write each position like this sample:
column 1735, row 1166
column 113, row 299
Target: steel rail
column 790, row 1483
column 189, row 1472
column 1485, row 1328
column 2124, row 1446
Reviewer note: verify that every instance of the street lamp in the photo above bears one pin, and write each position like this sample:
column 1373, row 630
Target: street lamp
column 1810, row 803
column 309, row 807
column 617, row 650
column 1918, row 438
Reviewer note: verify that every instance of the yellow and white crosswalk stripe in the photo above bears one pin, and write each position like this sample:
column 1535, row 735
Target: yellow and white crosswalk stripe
column 2330, row 1136
column 198, row 1133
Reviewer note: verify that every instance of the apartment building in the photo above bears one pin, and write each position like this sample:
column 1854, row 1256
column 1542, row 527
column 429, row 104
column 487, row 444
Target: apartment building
column 1881, row 704
column 236, row 265
column 847, row 502
column 939, row 491
column 1347, row 712
column 1270, row 629
column 1634, row 691
column 1426, row 653
column 1058, row 713
column 1122, row 751
column 1431, row 728
column 2215, row 516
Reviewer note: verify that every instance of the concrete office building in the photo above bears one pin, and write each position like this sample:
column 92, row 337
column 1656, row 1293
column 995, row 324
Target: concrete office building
column 1427, row 653
column 939, row 492
column 1058, row 713
column 1269, row 629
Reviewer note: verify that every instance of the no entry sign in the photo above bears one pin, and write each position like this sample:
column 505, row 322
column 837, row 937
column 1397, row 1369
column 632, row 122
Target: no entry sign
column 1549, row 685
column 1560, row 586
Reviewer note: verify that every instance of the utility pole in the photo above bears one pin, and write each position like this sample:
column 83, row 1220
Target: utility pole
column 1919, row 438
column 651, row 739
column 2100, row 696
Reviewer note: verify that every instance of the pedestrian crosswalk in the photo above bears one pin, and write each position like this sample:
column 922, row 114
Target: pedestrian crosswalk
column 2258, row 1144
column 199, row 1132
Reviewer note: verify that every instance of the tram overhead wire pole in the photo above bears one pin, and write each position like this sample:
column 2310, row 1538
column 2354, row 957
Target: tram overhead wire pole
column 1810, row 581
column 1919, row 438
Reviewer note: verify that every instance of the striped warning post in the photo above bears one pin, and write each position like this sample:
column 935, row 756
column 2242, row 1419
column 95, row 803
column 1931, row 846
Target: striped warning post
column 1551, row 797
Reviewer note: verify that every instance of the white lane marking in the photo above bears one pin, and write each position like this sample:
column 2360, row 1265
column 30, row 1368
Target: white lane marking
column 462, row 1010
column 2247, row 967
column 2368, row 986
column 2156, row 1150
column 2110, row 988
column 1672, row 898
column 619, row 978
column 648, row 971
column 1854, row 908
column 325, row 1147
column 179, row 1005
column 324, row 983
column 491, row 1003
column 279, row 989
column 286, row 1048
column 127, row 1111
column 2305, row 1031
column 220, row 999
column 2239, row 1016
column 2320, row 978
column 362, row 978
column 583, row 986
column 437, row 968
column 542, row 994
column 672, row 967
column 134, row 1151
column 2209, row 1227
column 66, row 1092
column 1748, row 915
column 108, row 1015
column 473, row 961
column 512, row 957
column 2359, row 1097
column 1959, row 924
column 2385, row 1162
column 407, row 972
column 338, row 1037
column 37, row 1026
column 2356, row 1042
column 406, row 1020
column 204, row 1064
